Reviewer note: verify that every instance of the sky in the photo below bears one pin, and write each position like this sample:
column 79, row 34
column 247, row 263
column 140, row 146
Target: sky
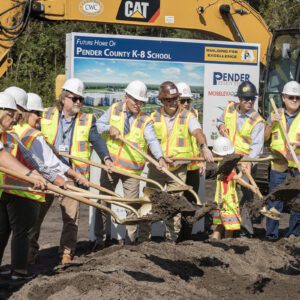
column 123, row 71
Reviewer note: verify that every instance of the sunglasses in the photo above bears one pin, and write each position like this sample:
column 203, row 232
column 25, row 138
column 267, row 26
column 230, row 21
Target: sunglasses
column 75, row 98
column 294, row 98
column 37, row 112
column 182, row 101
column 170, row 99
column 247, row 99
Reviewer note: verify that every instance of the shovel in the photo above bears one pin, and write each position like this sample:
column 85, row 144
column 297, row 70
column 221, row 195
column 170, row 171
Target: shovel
column 286, row 136
column 165, row 170
column 60, row 191
column 101, row 166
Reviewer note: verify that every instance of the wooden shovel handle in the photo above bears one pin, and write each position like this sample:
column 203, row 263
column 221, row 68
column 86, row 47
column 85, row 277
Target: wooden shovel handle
column 253, row 183
column 246, row 159
column 286, row 135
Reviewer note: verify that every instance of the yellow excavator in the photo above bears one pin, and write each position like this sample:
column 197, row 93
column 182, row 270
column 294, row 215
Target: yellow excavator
column 230, row 20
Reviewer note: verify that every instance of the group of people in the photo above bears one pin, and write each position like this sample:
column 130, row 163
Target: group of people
column 34, row 140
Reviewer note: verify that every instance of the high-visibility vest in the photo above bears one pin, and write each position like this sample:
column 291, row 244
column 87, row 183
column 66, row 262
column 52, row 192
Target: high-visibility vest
column 178, row 144
column 240, row 139
column 12, row 143
column 278, row 141
column 194, row 165
column 228, row 213
column 123, row 156
column 80, row 145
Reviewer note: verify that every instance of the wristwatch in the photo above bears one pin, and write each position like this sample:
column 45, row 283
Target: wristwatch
column 202, row 146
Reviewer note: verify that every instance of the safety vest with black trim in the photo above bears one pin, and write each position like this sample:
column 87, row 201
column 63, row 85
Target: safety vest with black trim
column 230, row 218
column 123, row 156
column 240, row 139
column 278, row 142
column 194, row 165
column 80, row 145
column 26, row 134
column 178, row 144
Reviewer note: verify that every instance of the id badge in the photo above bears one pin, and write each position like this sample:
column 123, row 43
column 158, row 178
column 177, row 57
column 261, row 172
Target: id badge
column 63, row 148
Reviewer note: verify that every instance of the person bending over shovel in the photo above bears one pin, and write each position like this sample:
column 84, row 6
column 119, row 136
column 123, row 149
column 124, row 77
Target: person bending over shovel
column 227, row 216
column 126, row 119
column 290, row 118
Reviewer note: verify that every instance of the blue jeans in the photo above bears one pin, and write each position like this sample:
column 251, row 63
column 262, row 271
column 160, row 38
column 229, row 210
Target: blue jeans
column 272, row 226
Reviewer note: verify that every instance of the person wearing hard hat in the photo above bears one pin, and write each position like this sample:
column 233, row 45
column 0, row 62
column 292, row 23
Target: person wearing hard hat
column 194, row 169
column 30, row 136
column 174, row 128
column 244, row 126
column 17, row 214
column 127, row 120
column 289, row 115
column 71, row 131
column 227, row 216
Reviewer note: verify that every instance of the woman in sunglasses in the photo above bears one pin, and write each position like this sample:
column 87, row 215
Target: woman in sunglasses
column 290, row 117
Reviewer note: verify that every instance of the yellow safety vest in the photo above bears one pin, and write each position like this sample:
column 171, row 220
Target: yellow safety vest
column 278, row 142
column 240, row 139
column 26, row 134
column 178, row 144
column 80, row 145
column 228, row 204
column 124, row 157
column 194, row 165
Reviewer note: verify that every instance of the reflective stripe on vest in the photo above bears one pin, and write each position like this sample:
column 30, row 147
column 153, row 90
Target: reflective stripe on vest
column 278, row 142
column 10, row 180
column 80, row 145
column 194, row 165
column 124, row 157
column 241, row 139
column 178, row 144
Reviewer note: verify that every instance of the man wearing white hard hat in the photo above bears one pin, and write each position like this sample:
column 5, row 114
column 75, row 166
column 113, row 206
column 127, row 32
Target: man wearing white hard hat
column 72, row 132
column 126, row 119
column 290, row 117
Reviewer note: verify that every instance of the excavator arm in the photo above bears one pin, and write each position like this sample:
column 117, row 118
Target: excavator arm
column 223, row 19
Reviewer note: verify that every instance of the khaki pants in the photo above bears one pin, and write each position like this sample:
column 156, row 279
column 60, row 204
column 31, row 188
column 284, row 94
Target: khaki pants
column 102, row 221
column 70, row 217
column 173, row 225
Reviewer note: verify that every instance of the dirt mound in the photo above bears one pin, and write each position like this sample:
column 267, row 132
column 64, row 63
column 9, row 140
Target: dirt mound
column 229, row 269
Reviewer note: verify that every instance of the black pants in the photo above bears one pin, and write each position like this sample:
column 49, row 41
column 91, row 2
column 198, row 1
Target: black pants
column 17, row 215
column 192, row 179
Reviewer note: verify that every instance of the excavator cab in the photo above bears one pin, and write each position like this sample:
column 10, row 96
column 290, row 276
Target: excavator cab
column 283, row 65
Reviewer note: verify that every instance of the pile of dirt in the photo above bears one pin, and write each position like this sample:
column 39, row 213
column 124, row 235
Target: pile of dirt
column 229, row 269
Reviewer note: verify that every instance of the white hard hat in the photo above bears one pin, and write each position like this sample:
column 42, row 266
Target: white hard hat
column 184, row 89
column 19, row 94
column 34, row 102
column 291, row 88
column 222, row 146
column 7, row 101
column 74, row 85
column 138, row 90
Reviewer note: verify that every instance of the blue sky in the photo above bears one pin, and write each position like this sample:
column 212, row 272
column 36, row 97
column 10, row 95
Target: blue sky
column 151, row 72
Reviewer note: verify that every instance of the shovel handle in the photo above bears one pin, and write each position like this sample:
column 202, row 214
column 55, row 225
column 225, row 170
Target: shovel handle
column 66, row 193
column 252, row 181
column 246, row 159
column 23, row 188
column 286, row 136
column 104, row 167
column 156, row 164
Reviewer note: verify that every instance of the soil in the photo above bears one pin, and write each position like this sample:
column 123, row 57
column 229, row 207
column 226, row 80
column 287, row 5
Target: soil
column 227, row 269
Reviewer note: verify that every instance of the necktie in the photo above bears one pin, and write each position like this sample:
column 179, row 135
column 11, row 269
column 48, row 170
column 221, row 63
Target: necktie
column 127, row 124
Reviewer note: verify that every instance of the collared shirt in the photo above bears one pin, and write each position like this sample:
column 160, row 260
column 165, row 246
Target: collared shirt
column 34, row 161
column 42, row 150
column 193, row 122
column 65, row 132
column 149, row 133
column 257, row 134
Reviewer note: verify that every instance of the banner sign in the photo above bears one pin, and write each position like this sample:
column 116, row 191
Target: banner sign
column 107, row 63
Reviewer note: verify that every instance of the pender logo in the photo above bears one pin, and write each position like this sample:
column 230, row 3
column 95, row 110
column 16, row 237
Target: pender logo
column 139, row 10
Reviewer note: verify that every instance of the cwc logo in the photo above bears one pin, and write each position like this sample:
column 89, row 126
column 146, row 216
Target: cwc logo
column 139, row 11
column 91, row 7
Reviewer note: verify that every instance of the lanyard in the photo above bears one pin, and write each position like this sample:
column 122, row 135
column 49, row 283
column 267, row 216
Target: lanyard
column 65, row 132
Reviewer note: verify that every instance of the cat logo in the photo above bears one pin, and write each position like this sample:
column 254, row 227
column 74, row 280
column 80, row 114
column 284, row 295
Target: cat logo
column 139, row 11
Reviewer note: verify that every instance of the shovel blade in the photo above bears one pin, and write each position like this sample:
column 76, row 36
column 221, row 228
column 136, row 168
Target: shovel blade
column 145, row 209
